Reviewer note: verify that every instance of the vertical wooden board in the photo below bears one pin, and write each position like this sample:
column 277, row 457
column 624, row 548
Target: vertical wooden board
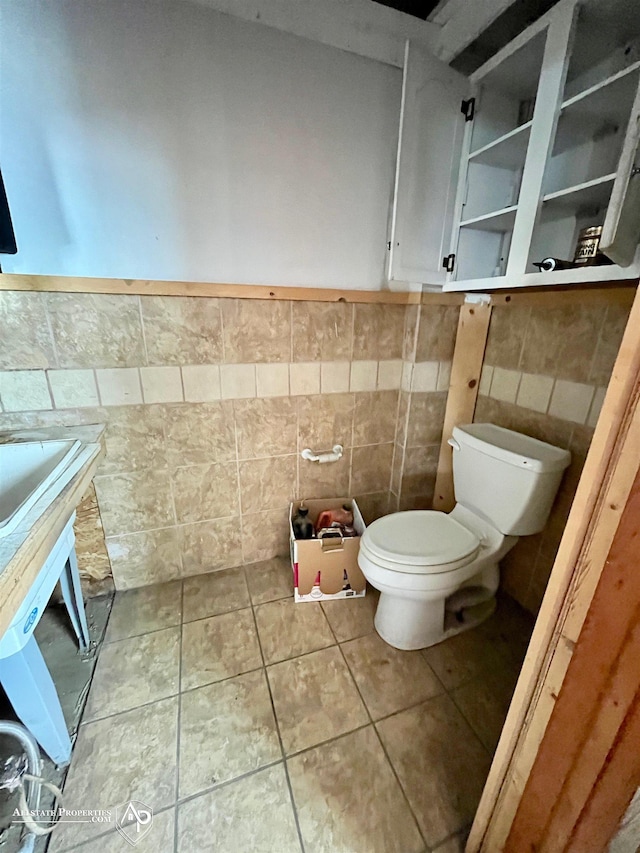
column 606, row 481
column 597, row 694
column 468, row 355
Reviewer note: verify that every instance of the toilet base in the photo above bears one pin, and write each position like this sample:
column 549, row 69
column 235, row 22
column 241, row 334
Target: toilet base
column 407, row 624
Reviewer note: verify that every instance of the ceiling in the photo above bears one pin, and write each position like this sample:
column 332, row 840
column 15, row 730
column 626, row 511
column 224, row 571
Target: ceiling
column 505, row 27
column 417, row 8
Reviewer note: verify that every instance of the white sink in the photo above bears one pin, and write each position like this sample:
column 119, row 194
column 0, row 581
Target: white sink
column 30, row 469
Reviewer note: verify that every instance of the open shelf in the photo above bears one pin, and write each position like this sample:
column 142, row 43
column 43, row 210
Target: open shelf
column 606, row 42
column 609, row 100
column 591, row 132
column 497, row 220
column 590, row 194
column 564, row 213
column 506, row 93
column 508, row 152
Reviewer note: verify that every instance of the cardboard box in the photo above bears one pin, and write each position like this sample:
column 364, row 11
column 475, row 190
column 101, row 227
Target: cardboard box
column 326, row 568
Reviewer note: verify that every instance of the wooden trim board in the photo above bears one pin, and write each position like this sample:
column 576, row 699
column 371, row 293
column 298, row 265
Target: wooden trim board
column 558, row 297
column 468, row 354
column 601, row 817
column 607, row 478
column 549, row 296
column 139, row 287
column 601, row 692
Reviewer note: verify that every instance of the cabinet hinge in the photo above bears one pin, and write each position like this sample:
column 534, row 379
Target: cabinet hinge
column 468, row 109
column 449, row 262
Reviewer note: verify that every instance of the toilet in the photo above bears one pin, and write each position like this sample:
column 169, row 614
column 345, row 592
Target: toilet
column 437, row 572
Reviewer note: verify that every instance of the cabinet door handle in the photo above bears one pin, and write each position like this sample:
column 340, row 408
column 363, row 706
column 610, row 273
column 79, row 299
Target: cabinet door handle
column 449, row 262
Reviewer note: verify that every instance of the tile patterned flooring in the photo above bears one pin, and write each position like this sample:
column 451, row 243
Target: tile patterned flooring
column 251, row 724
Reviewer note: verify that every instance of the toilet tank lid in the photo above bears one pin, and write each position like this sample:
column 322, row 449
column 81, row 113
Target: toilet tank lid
column 513, row 447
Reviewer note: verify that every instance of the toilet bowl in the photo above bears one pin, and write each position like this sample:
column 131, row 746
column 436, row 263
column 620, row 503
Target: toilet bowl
column 437, row 572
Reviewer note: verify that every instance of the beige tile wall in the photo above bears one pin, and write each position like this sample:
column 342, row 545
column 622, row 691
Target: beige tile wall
column 545, row 374
column 208, row 403
column 428, row 342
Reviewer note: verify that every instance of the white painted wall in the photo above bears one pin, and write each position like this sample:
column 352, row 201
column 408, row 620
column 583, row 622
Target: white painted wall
column 161, row 139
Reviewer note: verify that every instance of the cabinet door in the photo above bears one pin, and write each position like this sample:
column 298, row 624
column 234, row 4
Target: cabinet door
column 429, row 144
column 621, row 229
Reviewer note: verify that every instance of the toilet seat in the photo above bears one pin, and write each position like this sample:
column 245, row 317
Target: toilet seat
column 419, row 541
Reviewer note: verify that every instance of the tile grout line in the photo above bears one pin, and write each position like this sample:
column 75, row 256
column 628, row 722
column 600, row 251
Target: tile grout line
column 594, row 354
column 222, row 336
column 386, row 755
column 219, row 785
column 143, row 332
column 106, row 642
column 468, row 722
column 239, row 495
column 179, row 722
column 328, row 741
column 395, row 452
column 49, row 322
column 277, row 724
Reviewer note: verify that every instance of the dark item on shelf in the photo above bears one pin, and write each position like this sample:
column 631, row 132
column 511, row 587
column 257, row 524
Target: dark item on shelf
column 525, row 110
column 302, row 524
column 587, row 246
column 549, row 264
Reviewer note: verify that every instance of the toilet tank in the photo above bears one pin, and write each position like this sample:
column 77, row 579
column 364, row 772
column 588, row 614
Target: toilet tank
column 506, row 477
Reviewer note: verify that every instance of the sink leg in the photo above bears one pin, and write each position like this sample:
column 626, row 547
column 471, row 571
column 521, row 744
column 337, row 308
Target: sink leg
column 72, row 595
column 31, row 691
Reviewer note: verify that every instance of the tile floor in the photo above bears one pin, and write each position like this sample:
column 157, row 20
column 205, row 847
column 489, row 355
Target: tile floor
column 72, row 672
column 251, row 724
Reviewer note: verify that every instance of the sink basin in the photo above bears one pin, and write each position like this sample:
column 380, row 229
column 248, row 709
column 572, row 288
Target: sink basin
column 28, row 470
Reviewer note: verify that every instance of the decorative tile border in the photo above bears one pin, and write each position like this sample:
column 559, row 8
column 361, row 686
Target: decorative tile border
column 41, row 390
column 576, row 402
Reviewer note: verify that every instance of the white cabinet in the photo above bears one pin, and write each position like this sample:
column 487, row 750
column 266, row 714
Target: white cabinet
column 429, row 145
column 550, row 147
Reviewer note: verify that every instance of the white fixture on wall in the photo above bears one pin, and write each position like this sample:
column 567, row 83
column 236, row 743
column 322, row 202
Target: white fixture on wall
column 333, row 455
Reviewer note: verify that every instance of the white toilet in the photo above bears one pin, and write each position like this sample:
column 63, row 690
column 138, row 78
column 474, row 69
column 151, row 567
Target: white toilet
column 438, row 573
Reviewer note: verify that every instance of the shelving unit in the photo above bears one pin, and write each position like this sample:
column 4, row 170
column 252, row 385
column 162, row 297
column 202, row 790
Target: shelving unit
column 585, row 196
column 606, row 42
column 497, row 143
column 601, row 97
column 505, row 95
column 484, row 250
column 549, row 144
column 508, row 151
column 597, row 101
column 497, row 220
column 530, row 183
